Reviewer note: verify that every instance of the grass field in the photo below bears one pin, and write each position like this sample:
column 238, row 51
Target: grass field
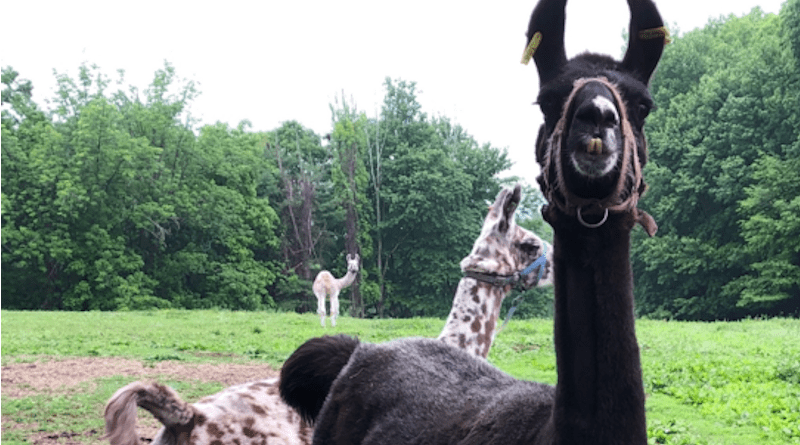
column 707, row 383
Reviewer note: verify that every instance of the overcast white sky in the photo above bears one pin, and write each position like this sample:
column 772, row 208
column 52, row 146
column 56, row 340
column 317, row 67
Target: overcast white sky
column 271, row 61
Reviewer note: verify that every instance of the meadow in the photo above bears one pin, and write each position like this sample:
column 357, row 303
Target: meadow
column 707, row 383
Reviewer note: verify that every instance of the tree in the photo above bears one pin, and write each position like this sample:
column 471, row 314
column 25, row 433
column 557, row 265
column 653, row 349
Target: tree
column 303, row 166
column 727, row 101
column 350, row 179
column 434, row 184
column 112, row 202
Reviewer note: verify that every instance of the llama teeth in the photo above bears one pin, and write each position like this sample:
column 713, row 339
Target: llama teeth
column 595, row 145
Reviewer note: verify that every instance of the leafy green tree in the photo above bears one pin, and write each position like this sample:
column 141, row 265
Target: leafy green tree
column 78, row 206
column 304, row 168
column 436, row 181
column 727, row 101
column 350, row 181
column 32, row 260
column 112, row 202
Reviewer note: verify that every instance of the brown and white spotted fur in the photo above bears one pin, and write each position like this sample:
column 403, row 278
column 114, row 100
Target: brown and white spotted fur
column 326, row 285
column 502, row 249
column 250, row 413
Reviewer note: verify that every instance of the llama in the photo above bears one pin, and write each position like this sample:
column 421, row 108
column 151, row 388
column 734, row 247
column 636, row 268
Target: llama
column 246, row 413
column 326, row 285
column 499, row 259
column 253, row 411
column 591, row 150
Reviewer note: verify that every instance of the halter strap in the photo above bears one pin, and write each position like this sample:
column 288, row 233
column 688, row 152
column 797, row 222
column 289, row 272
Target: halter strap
column 559, row 194
column 504, row 280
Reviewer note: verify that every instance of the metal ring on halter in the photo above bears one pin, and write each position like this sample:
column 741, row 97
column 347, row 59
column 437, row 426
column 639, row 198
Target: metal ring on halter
column 595, row 225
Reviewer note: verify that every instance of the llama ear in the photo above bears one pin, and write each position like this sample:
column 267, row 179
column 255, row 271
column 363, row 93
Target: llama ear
column 646, row 40
column 512, row 202
column 349, row 257
column 546, row 39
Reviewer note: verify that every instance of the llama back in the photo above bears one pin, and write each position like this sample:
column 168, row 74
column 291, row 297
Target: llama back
column 307, row 375
column 422, row 391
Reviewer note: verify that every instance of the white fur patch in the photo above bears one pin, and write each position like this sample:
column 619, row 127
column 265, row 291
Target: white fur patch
column 604, row 104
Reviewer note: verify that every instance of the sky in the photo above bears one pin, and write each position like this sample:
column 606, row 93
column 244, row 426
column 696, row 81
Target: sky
column 270, row 62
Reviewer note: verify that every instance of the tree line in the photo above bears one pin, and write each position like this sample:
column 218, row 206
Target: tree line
column 115, row 198
column 724, row 172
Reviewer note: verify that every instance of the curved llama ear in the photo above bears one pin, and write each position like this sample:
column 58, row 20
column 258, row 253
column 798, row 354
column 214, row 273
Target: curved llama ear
column 646, row 39
column 546, row 39
column 510, row 205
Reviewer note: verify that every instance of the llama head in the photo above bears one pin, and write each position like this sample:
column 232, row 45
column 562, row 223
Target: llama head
column 591, row 146
column 352, row 262
column 504, row 248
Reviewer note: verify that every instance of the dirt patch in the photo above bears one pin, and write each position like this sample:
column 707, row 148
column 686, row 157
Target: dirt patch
column 57, row 376
column 62, row 376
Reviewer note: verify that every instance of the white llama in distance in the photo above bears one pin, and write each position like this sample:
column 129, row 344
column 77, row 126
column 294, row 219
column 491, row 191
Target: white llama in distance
column 325, row 284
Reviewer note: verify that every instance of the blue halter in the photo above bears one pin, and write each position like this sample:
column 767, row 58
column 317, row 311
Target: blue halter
column 540, row 262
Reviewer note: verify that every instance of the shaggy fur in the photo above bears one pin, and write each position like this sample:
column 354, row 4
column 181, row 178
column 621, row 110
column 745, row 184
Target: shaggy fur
column 414, row 391
column 418, row 391
column 250, row 413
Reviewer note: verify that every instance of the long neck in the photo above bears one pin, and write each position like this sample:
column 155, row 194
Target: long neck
column 472, row 321
column 599, row 396
column 346, row 280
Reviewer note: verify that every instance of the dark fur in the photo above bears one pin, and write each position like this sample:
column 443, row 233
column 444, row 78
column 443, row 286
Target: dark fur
column 307, row 375
column 419, row 391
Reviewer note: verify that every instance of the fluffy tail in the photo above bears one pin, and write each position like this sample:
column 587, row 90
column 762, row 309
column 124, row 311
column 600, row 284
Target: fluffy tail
column 163, row 402
column 307, row 376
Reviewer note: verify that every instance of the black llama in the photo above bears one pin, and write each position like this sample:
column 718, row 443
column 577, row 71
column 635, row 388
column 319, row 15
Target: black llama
column 591, row 150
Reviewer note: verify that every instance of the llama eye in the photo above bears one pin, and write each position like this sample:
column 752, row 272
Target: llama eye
column 644, row 111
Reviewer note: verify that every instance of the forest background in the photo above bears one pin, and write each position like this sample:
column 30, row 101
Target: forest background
column 114, row 198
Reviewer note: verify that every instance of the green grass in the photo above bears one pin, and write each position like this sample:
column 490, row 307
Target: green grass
column 707, row 383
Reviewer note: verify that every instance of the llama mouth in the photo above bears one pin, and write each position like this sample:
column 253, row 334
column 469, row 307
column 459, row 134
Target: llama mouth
column 595, row 146
column 595, row 163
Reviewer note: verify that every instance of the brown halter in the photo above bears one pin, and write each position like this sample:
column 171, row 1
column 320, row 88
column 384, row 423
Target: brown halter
column 559, row 194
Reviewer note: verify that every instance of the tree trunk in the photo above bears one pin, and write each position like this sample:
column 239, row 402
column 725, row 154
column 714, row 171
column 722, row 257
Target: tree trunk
column 351, row 238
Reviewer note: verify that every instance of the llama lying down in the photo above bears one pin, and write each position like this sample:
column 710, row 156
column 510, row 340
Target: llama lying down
column 240, row 414
column 253, row 412
column 591, row 150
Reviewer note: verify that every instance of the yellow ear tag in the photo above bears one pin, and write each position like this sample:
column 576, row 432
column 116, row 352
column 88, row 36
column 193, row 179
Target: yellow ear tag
column 531, row 49
column 654, row 33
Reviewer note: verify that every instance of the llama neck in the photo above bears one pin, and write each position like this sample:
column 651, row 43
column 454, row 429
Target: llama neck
column 599, row 396
column 346, row 280
column 473, row 317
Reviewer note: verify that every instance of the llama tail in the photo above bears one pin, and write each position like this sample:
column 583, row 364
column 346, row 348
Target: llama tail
column 307, row 375
column 162, row 401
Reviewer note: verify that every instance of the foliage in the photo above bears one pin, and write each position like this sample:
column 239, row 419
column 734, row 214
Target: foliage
column 435, row 186
column 707, row 383
column 113, row 203
column 117, row 199
column 723, row 175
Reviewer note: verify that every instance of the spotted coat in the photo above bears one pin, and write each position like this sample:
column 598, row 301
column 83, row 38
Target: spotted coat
column 503, row 248
column 246, row 414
